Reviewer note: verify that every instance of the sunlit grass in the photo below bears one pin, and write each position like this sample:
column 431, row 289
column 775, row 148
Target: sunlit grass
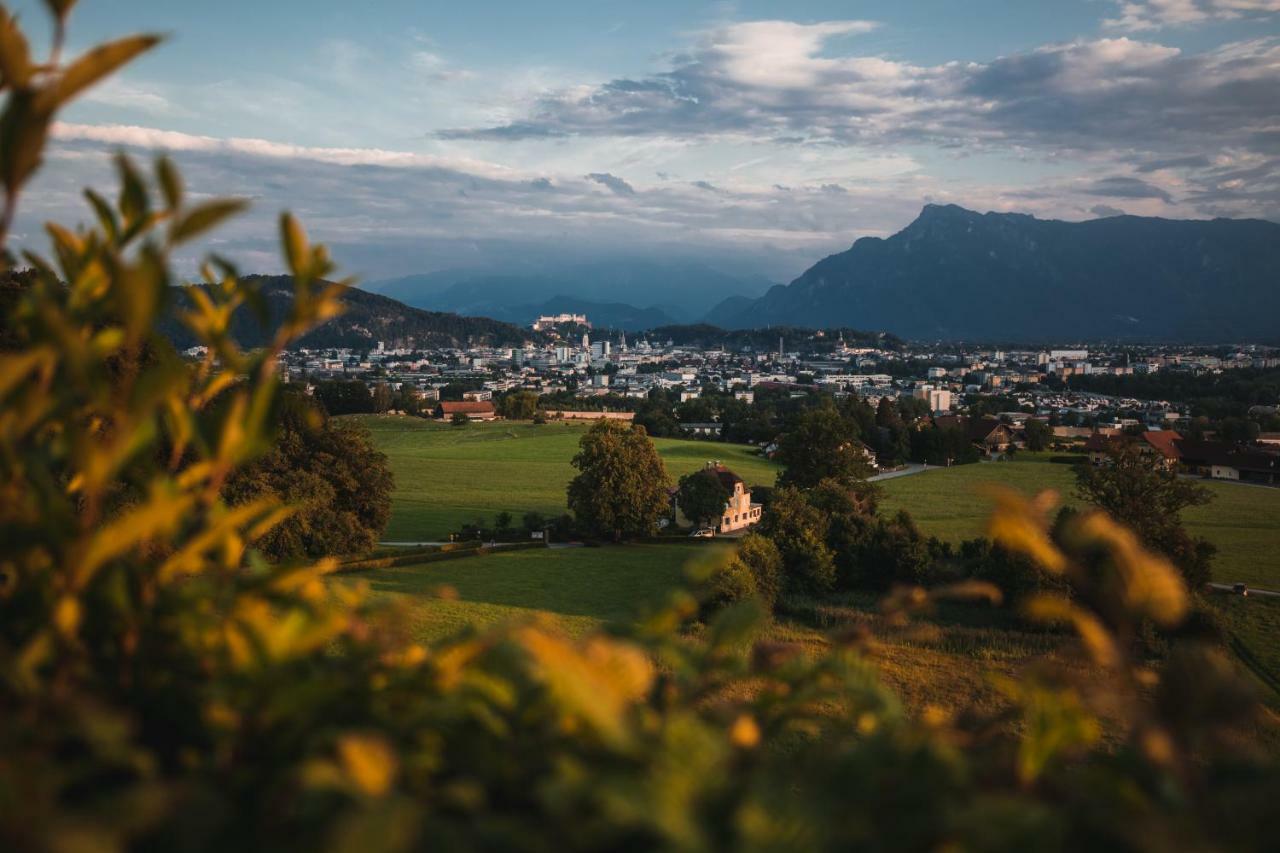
column 1242, row 521
column 447, row 476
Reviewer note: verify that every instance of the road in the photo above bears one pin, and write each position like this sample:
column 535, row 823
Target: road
column 903, row 472
column 1226, row 587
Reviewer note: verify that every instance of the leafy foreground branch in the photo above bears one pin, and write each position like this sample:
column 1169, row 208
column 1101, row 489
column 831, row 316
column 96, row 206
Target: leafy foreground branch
column 162, row 686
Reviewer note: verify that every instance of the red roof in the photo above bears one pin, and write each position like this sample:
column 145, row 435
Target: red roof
column 467, row 407
column 1163, row 441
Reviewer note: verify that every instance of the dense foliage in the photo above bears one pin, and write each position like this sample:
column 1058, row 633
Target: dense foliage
column 1131, row 488
column 164, row 687
column 1215, row 395
column 822, row 445
column 701, row 497
column 340, row 485
column 620, row 491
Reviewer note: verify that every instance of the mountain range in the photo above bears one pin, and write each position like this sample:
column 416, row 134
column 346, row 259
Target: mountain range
column 629, row 293
column 955, row 274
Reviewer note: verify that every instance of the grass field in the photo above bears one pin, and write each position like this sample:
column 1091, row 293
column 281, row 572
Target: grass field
column 447, row 475
column 584, row 587
column 1243, row 521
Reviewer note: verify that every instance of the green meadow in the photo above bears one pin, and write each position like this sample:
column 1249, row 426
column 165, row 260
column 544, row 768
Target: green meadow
column 447, row 476
column 583, row 587
column 1242, row 521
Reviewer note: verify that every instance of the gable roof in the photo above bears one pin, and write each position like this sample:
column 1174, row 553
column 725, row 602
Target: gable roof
column 727, row 478
column 1165, row 441
column 975, row 429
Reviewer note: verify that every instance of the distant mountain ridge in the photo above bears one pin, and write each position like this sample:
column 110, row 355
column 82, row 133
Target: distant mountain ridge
column 625, row 293
column 957, row 274
column 369, row 318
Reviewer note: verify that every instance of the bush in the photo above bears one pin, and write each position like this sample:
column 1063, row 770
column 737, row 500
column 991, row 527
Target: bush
column 753, row 572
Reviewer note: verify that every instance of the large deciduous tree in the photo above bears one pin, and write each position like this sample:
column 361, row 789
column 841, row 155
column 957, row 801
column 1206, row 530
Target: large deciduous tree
column 1135, row 490
column 331, row 472
column 1038, row 433
column 518, row 406
column 621, row 489
column 822, row 445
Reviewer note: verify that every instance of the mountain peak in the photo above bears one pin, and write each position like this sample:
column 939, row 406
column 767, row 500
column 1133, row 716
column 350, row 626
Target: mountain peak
column 957, row 274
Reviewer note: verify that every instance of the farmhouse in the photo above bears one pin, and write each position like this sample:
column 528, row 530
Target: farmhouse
column 476, row 410
column 990, row 435
column 1161, row 445
column 1221, row 461
column 739, row 512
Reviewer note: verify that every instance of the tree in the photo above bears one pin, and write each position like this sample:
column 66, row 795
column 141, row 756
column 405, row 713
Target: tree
column 820, row 445
column 518, row 406
column 621, row 487
column 799, row 531
column 1133, row 488
column 762, row 558
column 702, row 497
column 344, row 397
column 1038, row 434
column 339, row 483
column 459, row 419
column 382, row 397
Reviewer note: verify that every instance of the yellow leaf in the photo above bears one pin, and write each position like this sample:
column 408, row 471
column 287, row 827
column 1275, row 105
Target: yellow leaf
column 1150, row 585
column 1052, row 609
column 745, row 733
column 1019, row 525
column 98, row 63
column 296, row 249
column 66, row 616
column 204, row 217
column 15, row 55
column 369, row 762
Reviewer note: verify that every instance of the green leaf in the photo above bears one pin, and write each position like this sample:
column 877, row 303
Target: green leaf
column 296, row 250
column 93, row 66
column 23, row 130
column 106, row 215
column 170, row 182
column 134, row 202
column 204, row 217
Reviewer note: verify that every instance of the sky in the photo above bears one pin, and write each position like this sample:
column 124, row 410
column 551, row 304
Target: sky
column 756, row 136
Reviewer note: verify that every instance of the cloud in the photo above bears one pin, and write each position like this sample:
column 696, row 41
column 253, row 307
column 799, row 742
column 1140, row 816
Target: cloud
column 1125, row 187
column 1080, row 97
column 1158, row 14
column 167, row 140
column 613, row 182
